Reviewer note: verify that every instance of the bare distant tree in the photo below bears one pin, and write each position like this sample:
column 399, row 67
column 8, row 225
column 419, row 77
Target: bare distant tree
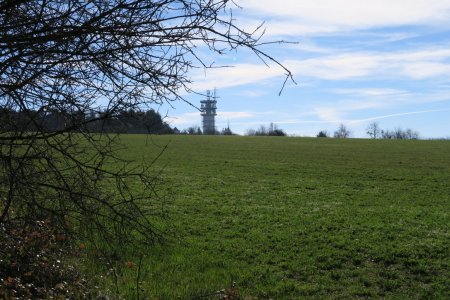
column 342, row 132
column 271, row 130
column 373, row 130
column 400, row 134
column 411, row 134
column 227, row 130
column 65, row 60
column 250, row 132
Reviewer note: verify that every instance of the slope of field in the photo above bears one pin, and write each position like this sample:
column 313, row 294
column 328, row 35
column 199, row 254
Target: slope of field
column 295, row 218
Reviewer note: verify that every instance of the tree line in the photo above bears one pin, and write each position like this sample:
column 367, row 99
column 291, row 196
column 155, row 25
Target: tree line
column 196, row 130
column 374, row 131
column 271, row 130
column 131, row 121
column 127, row 121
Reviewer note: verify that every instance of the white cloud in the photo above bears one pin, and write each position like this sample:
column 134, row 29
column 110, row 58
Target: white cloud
column 431, row 54
column 333, row 115
column 397, row 115
column 336, row 67
column 232, row 115
column 252, row 93
column 371, row 92
column 321, row 16
column 330, row 114
column 417, row 65
column 308, row 46
column 289, row 27
column 186, row 119
column 372, row 100
column 393, row 37
column 239, row 74
column 423, row 70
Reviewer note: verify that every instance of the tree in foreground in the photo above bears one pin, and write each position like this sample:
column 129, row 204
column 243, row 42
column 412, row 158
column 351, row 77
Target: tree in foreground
column 69, row 66
column 96, row 58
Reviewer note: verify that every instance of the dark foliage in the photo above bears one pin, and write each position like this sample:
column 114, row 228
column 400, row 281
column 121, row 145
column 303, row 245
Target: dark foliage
column 227, row 131
column 133, row 121
column 34, row 265
column 130, row 121
column 322, row 134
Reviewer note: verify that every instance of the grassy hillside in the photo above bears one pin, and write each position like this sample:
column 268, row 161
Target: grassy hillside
column 297, row 217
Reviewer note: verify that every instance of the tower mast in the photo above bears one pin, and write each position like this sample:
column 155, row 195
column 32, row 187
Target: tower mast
column 208, row 112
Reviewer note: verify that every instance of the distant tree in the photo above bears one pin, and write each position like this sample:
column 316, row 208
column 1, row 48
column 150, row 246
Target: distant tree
column 322, row 134
column 400, row 134
column 193, row 130
column 412, row 135
column 373, row 130
column 387, row 134
column 342, row 132
column 262, row 131
column 134, row 121
column 153, row 123
column 227, row 131
column 278, row 132
column 250, row 132
column 271, row 130
column 275, row 131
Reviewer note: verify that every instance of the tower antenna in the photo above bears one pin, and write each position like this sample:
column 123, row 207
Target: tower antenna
column 208, row 112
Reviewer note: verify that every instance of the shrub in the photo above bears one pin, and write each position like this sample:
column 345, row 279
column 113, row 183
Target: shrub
column 322, row 134
column 33, row 263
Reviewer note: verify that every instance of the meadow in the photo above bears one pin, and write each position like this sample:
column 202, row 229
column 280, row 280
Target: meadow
column 289, row 218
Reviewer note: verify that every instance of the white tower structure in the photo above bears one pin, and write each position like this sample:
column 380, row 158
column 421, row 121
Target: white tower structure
column 208, row 112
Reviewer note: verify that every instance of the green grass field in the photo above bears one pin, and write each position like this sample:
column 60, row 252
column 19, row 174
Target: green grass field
column 289, row 218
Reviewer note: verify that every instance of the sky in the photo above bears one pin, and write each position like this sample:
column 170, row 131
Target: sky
column 354, row 62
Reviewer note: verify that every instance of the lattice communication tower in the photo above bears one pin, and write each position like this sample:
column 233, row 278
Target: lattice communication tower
column 208, row 112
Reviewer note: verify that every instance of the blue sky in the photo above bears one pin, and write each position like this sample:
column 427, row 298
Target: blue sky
column 355, row 62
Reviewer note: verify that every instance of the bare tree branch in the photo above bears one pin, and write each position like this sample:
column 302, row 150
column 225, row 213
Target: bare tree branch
column 66, row 66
